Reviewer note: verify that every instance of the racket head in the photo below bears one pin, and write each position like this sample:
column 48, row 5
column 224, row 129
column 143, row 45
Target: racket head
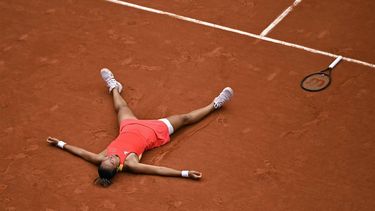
column 316, row 82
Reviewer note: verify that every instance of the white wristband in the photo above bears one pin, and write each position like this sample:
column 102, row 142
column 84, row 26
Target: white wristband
column 185, row 173
column 61, row 144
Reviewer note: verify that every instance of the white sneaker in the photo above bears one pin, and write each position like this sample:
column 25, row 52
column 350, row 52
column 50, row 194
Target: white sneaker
column 223, row 97
column 109, row 78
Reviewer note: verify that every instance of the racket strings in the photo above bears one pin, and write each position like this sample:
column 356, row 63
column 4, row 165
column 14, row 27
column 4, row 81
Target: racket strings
column 316, row 82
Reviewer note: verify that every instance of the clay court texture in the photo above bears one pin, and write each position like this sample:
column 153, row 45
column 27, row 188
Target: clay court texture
column 273, row 147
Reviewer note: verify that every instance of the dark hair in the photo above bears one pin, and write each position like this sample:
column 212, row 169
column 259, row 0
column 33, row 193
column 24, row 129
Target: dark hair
column 105, row 176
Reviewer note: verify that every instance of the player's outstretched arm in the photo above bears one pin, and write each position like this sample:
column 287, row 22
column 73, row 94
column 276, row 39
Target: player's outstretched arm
column 82, row 153
column 141, row 168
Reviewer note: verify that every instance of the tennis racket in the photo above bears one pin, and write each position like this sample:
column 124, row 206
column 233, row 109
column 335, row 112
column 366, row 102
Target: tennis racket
column 320, row 80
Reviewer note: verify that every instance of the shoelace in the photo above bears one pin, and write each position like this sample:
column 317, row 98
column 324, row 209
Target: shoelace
column 111, row 82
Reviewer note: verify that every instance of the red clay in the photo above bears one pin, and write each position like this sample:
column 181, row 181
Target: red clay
column 251, row 16
column 273, row 147
column 341, row 27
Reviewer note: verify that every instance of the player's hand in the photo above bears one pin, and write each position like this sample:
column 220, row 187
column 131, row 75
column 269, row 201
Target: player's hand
column 52, row 141
column 195, row 175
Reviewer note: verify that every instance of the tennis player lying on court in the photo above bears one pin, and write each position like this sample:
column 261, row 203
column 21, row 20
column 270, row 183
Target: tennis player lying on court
column 137, row 136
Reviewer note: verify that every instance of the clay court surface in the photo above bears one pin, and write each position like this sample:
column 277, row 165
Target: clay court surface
column 273, row 147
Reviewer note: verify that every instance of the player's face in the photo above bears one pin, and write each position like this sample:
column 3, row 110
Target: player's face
column 110, row 162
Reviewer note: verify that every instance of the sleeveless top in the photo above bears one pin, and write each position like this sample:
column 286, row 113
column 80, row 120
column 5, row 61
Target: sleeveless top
column 137, row 136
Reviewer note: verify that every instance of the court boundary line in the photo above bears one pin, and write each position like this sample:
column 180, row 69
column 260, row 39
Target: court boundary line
column 224, row 28
column 280, row 18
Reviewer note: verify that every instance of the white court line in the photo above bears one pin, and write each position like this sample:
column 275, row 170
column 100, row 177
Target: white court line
column 280, row 18
column 240, row 32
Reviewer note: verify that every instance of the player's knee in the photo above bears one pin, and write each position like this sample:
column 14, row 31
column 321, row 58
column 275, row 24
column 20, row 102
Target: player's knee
column 186, row 119
column 121, row 107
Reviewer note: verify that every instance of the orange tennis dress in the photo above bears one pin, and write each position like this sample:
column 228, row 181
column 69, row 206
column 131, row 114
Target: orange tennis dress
column 137, row 136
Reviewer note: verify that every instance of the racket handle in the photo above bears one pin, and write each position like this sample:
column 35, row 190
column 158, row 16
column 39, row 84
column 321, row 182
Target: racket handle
column 334, row 63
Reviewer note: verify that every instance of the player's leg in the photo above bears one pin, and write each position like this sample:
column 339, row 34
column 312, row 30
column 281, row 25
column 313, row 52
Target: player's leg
column 115, row 87
column 121, row 107
column 180, row 120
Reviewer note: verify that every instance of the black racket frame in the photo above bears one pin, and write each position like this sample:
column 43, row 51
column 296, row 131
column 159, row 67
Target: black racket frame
column 327, row 72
